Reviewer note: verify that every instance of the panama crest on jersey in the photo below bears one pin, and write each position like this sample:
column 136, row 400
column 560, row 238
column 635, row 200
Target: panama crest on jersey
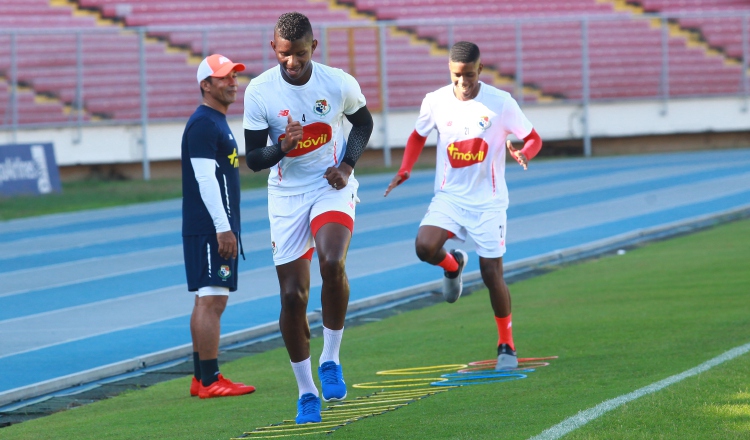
column 225, row 272
column 484, row 122
column 321, row 107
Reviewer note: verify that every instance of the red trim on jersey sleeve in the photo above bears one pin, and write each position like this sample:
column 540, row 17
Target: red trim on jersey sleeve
column 532, row 145
column 331, row 217
column 450, row 234
column 414, row 146
column 494, row 181
column 308, row 255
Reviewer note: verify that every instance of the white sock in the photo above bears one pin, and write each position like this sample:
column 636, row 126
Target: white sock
column 331, row 345
column 303, row 374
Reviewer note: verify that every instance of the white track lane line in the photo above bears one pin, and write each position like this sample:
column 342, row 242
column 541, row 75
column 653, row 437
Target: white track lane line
column 572, row 423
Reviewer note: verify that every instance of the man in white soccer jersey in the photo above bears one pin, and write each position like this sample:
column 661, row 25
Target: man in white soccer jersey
column 312, row 193
column 473, row 120
column 211, row 220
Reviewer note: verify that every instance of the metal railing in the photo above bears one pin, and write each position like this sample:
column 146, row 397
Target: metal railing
column 570, row 59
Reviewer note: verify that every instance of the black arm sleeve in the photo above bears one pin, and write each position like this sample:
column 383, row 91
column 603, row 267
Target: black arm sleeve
column 359, row 135
column 259, row 156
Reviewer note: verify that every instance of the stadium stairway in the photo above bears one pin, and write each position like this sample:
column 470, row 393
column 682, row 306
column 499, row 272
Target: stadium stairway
column 47, row 64
column 625, row 54
column 552, row 51
column 717, row 36
column 33, row 106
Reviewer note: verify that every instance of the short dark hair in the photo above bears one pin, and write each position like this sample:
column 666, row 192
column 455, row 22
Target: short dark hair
column 292, row 26
column 464, row 52
column 208, row 78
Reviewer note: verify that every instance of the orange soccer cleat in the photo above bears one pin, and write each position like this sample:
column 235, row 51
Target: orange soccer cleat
column 195, row 387
column 224, row 387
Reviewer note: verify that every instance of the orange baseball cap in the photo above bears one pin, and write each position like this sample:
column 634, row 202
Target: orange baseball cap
column 217, row 66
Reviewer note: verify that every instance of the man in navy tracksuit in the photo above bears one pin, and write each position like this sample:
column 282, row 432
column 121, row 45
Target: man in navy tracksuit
column 211, row 220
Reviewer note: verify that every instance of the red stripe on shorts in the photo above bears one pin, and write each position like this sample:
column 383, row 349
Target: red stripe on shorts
column 308, row 255
column 331, row 217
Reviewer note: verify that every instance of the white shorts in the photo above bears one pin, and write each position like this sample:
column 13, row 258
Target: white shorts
column 488, row 229
column 212, row 291
column 293, row 218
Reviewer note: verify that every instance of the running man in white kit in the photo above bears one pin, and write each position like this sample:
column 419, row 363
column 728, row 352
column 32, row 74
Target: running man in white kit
column 312, row 193
column 473, row 120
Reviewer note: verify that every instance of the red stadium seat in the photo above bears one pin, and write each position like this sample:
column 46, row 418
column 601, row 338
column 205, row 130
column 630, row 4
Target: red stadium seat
column 625, row 58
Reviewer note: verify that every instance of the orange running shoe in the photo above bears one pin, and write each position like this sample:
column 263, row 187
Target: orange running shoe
column 195, row 386
column 224, row 387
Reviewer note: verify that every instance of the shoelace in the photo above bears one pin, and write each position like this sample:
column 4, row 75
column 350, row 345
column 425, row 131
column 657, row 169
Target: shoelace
column 328, row 374
column 309, row 405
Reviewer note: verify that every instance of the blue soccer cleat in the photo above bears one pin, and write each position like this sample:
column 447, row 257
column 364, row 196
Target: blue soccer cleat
column 332, row 381
column 308, row 409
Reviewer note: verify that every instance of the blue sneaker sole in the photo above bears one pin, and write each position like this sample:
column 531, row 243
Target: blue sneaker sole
column 334, row 399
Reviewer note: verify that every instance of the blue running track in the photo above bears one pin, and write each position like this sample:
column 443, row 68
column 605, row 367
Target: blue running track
column 85, row 290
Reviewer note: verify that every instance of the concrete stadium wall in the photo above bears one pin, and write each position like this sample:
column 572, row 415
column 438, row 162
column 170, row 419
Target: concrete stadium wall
column 616, row 128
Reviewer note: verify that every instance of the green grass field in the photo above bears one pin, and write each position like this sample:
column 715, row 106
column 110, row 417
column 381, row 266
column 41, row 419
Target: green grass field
column 94, row 193
column 617, row 323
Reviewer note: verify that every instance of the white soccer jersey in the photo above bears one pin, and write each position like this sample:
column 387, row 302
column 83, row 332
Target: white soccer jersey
column 471, row 144
column 320, row 106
